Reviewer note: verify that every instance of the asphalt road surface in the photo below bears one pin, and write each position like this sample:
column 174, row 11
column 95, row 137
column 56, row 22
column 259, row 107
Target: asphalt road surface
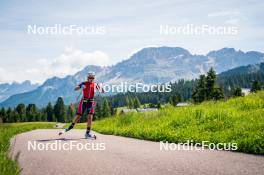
column 118, row 155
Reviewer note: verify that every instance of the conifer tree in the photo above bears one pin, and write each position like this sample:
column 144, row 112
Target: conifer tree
column 59, row 110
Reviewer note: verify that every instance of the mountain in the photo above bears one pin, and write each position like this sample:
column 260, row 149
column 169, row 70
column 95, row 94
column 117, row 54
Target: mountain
column 7, row 89
column 52, row 89
column 228, row 58
column 165, row 64
column 153, row 65
column 249, row 69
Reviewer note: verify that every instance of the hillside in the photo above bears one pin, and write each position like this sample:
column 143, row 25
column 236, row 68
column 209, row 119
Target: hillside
column 242, row 76
column 257, row 68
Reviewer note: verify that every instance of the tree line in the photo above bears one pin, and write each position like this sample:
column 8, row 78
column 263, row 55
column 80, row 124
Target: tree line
column 59, row 112
column 206, row 87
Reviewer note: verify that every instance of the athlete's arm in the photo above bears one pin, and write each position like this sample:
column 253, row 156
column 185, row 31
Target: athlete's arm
column 79, row 86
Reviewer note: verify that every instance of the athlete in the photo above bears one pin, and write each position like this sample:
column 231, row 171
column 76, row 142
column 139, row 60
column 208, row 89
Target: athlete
column 87, row 103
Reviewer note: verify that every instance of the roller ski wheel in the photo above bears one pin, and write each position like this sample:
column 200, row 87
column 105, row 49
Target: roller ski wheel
column 90, row 136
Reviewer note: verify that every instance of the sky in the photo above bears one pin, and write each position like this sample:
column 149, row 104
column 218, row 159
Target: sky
column 117, row 29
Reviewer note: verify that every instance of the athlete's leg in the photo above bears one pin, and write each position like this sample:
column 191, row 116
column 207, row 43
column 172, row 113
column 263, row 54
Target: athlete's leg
column 77, row 116
column 74, row 121
column 89, row 122
column 90, row 116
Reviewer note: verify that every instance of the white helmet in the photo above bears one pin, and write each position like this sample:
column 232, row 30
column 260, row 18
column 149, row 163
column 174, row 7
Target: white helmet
column 91, row 74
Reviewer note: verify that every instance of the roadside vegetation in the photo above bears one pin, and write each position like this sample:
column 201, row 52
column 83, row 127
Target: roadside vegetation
column 7, row 131
column 239, row 120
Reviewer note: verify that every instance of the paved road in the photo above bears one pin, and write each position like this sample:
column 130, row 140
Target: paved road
column 123, row 156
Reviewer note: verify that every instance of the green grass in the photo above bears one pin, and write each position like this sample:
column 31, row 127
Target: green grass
column 7, row 131
column 239, row 120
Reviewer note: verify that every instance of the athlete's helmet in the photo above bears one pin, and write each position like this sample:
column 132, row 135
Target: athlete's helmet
column 91, row 74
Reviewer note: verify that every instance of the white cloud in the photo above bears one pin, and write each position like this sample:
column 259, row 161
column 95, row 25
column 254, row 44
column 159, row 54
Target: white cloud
column 231, row 17
column 3, row 75
column 8, row 76
column 69, row 62
column 73, row 60
column 232, row 21
column 224, row 14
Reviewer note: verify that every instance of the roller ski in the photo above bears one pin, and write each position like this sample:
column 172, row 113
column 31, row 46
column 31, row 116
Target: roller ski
column 66, row 130
column 89, row 135
column 62, row 132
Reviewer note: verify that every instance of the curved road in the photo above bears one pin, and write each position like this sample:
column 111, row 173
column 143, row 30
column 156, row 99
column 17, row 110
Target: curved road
column 121, row 156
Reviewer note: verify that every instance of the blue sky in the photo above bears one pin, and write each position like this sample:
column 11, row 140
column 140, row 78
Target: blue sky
column 130, row 25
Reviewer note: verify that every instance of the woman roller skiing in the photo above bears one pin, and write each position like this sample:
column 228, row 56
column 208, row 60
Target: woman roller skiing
column 87, row 104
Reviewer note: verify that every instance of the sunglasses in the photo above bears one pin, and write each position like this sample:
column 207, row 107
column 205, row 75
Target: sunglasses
column 90, row 77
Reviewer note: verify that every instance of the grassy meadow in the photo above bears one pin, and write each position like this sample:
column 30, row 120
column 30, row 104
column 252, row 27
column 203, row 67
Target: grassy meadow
column 238, row 120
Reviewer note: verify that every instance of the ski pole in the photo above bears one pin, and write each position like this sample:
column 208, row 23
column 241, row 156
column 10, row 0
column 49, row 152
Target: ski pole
column 77, row 100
